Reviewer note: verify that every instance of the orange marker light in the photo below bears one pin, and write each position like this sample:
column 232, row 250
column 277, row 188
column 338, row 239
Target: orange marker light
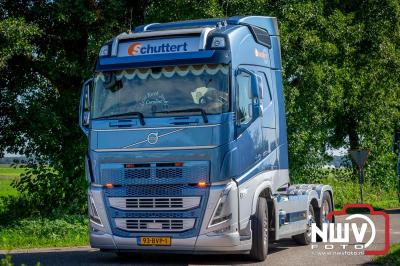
column 178, row 164
column 130, row 165
column 202, row 184
column 109, row 185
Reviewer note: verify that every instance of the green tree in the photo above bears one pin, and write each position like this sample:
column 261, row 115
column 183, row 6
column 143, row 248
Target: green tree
column 47, row 49
column 341, row 62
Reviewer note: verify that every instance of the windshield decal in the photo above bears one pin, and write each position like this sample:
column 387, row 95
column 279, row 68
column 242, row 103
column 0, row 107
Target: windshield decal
column 154, row 98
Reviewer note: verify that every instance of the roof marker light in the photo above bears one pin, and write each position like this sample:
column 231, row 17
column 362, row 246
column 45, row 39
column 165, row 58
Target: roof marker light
column 218, row 42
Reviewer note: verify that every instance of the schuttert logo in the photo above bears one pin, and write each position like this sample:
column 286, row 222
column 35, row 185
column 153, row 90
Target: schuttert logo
column 138, row 48
column 355, row 234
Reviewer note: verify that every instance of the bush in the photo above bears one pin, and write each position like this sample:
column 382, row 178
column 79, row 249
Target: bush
column 344, row 182
column 63, row 231
column 392, row 258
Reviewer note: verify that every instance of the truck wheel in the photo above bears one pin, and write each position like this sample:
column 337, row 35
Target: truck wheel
column 305, row 238
column 326, row 207
column 259, row 226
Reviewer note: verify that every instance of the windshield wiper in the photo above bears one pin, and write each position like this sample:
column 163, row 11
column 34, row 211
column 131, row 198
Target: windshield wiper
column 201, row 110
column 138, row 114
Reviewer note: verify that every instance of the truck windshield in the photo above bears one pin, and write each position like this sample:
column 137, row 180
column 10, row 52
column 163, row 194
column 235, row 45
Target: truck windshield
column 155, row 91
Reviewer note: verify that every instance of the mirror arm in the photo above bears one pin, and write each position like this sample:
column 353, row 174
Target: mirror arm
column 84, row 93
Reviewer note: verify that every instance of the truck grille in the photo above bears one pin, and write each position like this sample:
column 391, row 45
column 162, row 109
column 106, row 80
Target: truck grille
column 155, row 197
column 153, row 173
column 155, row 225
column 154, row 203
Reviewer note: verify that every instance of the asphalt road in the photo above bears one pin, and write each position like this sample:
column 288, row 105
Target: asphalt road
column 284, row 252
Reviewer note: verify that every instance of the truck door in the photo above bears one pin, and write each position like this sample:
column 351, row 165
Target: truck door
column 249, row 138
column 248, row 120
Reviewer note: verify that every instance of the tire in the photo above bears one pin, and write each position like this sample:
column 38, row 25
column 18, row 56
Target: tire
column 326, row 207
column 259, row 226
column 305, row 238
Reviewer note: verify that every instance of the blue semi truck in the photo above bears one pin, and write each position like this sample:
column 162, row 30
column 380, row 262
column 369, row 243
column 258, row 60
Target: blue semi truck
column 187, row 142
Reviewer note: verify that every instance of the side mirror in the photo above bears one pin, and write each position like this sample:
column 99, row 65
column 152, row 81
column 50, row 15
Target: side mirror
column 84, row 108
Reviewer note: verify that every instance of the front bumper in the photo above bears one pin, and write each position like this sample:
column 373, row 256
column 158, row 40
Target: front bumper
column 226, row 243
column 221, row 238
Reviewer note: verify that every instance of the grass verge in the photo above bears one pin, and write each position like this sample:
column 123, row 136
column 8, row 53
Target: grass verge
column 392, row 258
column 349, row 192
column 69, row 230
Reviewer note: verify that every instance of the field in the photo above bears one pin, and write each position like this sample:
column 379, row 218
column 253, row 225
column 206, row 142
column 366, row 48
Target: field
column 7, row 175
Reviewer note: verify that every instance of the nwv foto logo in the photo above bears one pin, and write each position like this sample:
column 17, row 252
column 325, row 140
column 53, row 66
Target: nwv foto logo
column 364, row 232
column 340, row 232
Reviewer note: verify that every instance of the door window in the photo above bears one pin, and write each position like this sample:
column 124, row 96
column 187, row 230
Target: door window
column 267, row 99
column 244, row 98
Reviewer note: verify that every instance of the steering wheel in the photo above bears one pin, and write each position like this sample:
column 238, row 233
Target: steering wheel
column 213, row 97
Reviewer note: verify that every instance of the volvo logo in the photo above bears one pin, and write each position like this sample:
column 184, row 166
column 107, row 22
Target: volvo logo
column 152, row 138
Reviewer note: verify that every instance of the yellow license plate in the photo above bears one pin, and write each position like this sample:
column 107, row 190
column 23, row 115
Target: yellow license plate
column 154, row 241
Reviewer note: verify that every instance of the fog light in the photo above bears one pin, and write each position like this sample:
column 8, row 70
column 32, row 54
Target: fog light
column 222, row 230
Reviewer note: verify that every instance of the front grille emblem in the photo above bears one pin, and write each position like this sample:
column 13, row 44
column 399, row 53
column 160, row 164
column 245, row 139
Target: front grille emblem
column 152, row 138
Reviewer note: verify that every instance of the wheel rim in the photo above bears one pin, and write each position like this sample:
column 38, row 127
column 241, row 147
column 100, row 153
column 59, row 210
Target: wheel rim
column 310, row 219
column 265, row 223
column 325, row 211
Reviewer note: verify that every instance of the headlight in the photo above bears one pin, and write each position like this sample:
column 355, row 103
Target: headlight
column 94, row 216
column 222, row 212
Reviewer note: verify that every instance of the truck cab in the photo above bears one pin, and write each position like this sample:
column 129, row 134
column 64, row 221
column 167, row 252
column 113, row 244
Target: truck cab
column 187, row 142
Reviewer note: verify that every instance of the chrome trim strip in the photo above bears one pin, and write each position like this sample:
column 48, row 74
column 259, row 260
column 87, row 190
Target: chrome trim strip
column 158, row 148
column 146, row 34
column 154, row 128
column 203, row 38
column 149, row 25
column 143, row 203
column 154, row 224
column 146, row 140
